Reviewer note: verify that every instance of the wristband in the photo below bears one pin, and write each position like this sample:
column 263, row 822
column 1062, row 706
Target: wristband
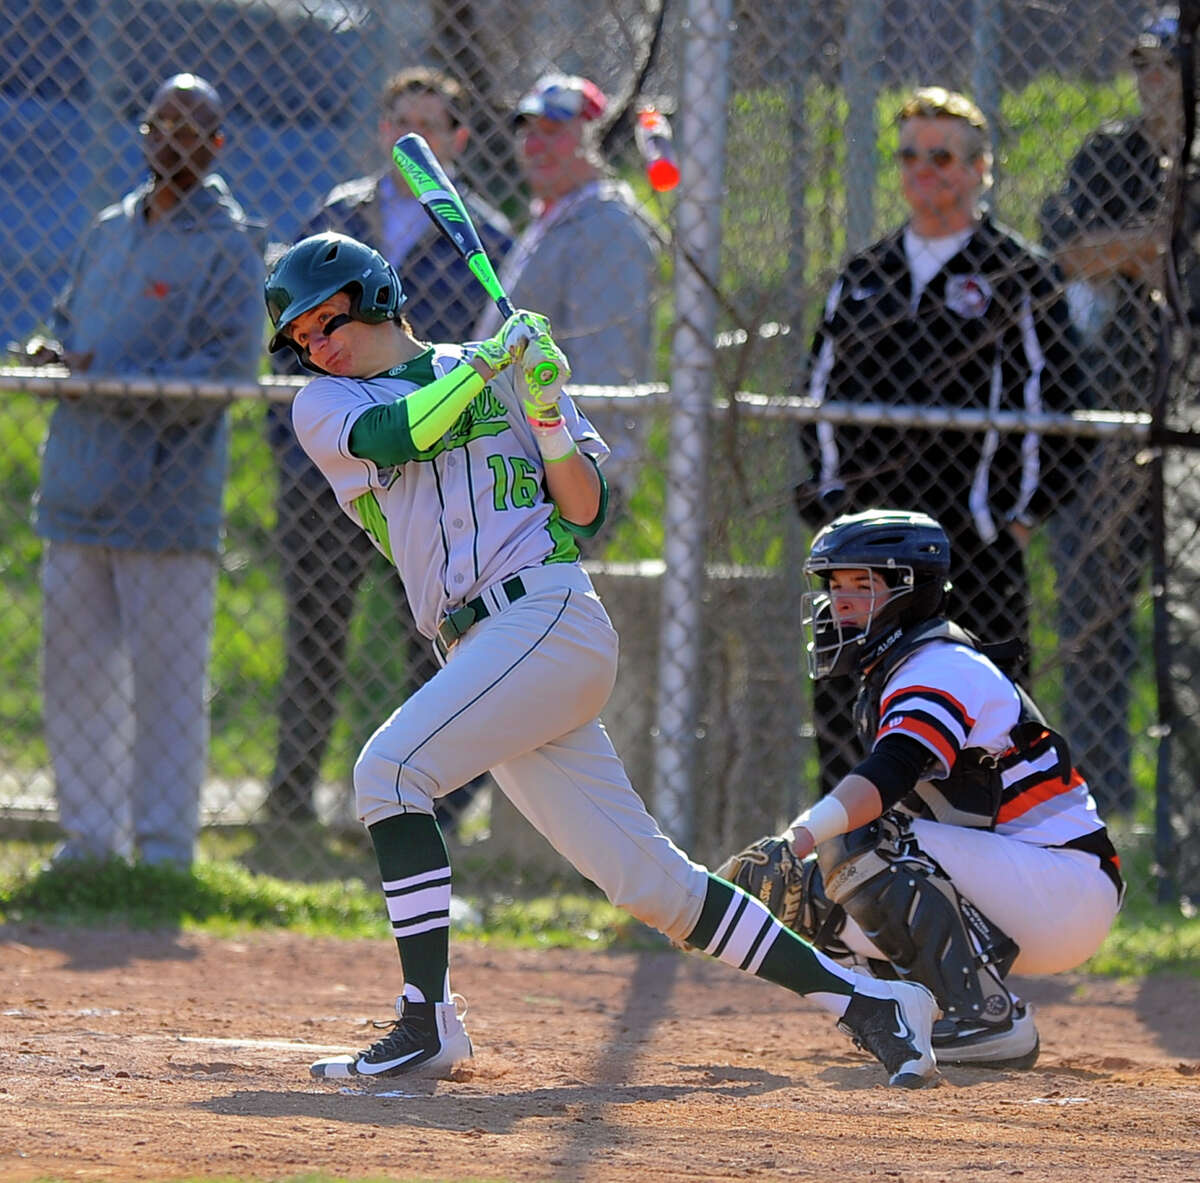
column 553, row 440
column 824, row 820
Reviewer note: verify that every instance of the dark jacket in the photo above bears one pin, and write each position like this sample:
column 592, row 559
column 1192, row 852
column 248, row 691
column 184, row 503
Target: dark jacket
column 1117, row 181
column 991, row 330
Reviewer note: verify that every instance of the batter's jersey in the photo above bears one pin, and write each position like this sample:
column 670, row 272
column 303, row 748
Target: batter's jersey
column 469, row 512
column 949, row 697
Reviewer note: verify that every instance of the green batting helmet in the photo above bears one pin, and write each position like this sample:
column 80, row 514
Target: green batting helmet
column 320, row 266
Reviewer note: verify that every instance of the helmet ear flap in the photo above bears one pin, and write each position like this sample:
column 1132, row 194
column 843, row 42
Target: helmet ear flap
column 377, row 304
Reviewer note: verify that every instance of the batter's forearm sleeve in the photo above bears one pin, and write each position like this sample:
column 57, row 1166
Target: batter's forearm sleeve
column 401, row 431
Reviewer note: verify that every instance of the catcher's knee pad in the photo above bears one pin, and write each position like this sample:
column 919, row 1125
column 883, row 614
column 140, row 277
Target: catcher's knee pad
column 907, row 906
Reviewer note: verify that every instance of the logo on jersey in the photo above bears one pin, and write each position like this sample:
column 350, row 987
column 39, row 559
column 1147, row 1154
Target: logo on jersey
column 968, row 295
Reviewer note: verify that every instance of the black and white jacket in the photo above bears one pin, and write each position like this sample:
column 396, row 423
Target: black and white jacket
column 990, row 330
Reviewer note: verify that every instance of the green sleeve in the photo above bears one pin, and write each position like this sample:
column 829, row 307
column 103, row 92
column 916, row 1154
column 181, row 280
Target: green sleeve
column 400, row 431
column 593, row 527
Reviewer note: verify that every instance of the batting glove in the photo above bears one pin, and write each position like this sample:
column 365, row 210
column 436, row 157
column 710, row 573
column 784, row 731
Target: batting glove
column 508, row 345
column 546, row 373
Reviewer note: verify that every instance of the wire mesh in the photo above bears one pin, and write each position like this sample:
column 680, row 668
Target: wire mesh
column 312, row 643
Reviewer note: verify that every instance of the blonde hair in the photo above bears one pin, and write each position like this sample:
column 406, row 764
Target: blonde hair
column 936, row 102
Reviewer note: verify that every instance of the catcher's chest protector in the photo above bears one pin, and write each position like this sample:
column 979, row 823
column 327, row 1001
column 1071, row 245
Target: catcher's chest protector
column 972, row 794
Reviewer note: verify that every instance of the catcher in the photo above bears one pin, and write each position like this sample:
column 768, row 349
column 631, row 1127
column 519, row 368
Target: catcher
column 964, row 845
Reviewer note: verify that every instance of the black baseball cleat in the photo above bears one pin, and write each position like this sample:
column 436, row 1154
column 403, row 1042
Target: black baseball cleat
column 897, row 1030
column 1012, row 1044
column 428, row 1039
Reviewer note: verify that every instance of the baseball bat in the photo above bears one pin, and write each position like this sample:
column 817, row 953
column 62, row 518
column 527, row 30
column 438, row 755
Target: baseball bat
column 441, row 201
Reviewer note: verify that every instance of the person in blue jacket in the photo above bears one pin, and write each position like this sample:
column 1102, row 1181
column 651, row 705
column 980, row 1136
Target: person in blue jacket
column 166, row 285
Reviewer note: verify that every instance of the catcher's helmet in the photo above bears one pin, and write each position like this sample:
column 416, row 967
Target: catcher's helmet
column 911, row 553
column 320, row 266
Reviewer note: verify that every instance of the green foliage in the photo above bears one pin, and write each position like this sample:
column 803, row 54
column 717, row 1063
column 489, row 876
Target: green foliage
column 224, row 897
column 22, row 428
column 1148, row 937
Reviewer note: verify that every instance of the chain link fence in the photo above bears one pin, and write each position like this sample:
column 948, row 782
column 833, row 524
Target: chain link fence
column 786, row 141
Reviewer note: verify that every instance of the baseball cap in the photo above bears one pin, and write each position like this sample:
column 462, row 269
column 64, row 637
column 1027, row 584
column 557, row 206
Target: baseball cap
column 1159, row 35
column 562, row 97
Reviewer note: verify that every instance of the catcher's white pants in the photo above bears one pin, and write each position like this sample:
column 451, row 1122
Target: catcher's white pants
column 126, row 640
column 520, row 695
column 1058, row 905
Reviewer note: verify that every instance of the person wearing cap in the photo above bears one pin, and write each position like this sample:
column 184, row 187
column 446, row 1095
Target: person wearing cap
column 1108, row 227
column 586, row 260
column 166, row 285
column 324, row 555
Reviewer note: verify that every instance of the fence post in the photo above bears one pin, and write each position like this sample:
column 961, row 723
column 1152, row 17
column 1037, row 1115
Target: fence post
column 985, row 75
column 860, row 80
column 701, row 126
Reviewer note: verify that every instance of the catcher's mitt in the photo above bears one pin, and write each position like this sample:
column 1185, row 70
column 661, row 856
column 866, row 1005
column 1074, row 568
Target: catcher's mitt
column 770, row 871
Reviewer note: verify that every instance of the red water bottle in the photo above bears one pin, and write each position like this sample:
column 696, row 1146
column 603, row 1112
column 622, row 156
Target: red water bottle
column 656, row 144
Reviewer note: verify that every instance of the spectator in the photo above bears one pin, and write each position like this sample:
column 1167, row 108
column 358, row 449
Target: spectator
column 325, row 555
column 952, row 311
column 166, row 285
column 1108, row 229
column 586, row 260
column 497, row 476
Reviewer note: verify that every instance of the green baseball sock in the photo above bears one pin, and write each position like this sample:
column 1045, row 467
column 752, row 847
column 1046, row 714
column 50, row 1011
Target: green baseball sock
column 737, row 929
column 415, row 870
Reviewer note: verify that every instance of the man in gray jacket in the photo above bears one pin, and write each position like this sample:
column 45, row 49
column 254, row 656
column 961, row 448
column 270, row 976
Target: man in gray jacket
column 166, row 285
column 586, row 260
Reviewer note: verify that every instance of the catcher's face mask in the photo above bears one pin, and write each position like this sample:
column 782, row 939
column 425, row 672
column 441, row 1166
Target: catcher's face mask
column 845, row 609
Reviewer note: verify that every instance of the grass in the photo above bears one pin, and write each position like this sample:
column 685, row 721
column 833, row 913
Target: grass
column 224, row 898
column 221, row 895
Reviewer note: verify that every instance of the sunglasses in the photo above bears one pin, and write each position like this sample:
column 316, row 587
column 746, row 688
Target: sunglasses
column 1152, row 59
column 938, row 157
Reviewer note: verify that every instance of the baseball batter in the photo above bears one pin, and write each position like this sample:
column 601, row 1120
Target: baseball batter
column 476, row 483
column 965, row 843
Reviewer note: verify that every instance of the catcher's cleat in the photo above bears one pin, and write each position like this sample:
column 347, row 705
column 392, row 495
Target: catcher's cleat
column 1012, row 1044
column 897, row 1030
column 428, row 1039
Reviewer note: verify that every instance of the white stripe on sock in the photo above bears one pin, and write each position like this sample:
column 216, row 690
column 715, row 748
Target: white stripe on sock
column 413, row 908
column 413, row 930
column 413, row 880
column 750, row 926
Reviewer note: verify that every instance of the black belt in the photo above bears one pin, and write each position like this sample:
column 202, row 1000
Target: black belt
column 463, row 619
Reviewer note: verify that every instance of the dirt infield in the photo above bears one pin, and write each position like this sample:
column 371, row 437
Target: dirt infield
column 159, row 1055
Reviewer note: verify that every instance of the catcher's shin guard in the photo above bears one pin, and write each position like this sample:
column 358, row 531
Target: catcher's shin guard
column 791, row 889
column 906, row 905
